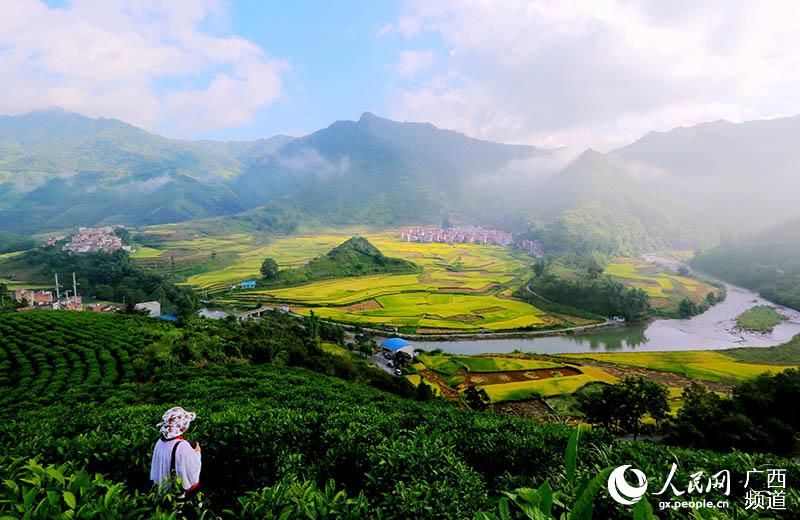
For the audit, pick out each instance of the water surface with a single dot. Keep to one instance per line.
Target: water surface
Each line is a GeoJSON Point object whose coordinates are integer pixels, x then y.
{"type": "Point", "coordinates": [713, 330]}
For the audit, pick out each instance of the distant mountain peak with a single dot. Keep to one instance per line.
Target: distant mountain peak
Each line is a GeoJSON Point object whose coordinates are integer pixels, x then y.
{"type": "Point", "coordinates": [369, 116]}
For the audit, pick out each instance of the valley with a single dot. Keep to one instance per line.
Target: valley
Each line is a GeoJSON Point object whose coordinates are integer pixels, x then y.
{"type": "Point", "coordinates": [461, 287]}
{"type": "Point", "coordinates": [401, 260]}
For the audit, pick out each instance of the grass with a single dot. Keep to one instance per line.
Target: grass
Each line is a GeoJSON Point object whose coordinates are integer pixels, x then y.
{"type": "Point", "coordinates": [785, 354]}
{"type": "Point", "coordinates": [146, 252]}
{"type": "Point", "coordinates": [665, 288]}
{"type": "Point", "coordinates": [449, 365]}
{"type": "Point", "coordinates": [696, 364]}
{"type": "Point", "coordinates": [501, 364]}
{"type": "Point", "coordinates": [442, 364]}
{"type": "Point", "coordinates": [537, 388]}
{"type": "Point", "coordinates": [761, 318]}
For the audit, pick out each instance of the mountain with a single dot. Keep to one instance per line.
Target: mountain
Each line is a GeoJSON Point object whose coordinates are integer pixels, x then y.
{"type": "Point", "coordinates": [59, 169]}
{"type": "Point", "coordinates": [594, 204]}
{"type": "Point", "coordinates": [767, 261]}
{"type": "Point", "coordinates": [354, 257]}
{"type": "Point", "coordinates": [376, 171]}
{"type": "Point", "coordinates": [733, 176]}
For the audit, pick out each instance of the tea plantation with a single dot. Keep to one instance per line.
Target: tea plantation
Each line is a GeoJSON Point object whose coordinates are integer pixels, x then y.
{"type": "Point", "coordinates": [287, 442]}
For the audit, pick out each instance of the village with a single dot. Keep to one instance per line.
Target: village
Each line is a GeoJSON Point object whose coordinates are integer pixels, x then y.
{"type": "Point", "coordinates": [470, 235]}
{"type": "Point", "coordinates": [92, 240]}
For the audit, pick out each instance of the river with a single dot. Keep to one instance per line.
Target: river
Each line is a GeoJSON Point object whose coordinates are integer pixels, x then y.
{"type": "Point", "coordinates": [712, 330]}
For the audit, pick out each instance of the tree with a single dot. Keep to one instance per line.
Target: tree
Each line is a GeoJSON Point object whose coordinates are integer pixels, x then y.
{"type": "Point", "coordinates": [636, 305]}
{"type": "Point", "coordinates": [683, 271]}
{"type": "Point", "coordinates": [269, 268]}
{"type": "Point", "coordinates": [687, 308]}
{"type": "Point", "coordinates": [186, 305]}
{"type": "Point", "coordinates": [539, 266]}
{"type": "Point", "coordinates": [124, 234]}
{"type": "Point", "coordinates": [476, 399]}
{"type": "Point", "coordinates": [311, 324]}
{"type": "Point", "coordinates": [621, 407]}
{"type": "Point", "coordinates": [424, 392]}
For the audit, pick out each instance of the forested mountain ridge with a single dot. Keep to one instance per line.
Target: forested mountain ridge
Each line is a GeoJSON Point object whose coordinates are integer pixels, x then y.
{"type": "Point", "coordinates": [767, 262]}
{"type": "Point", "coordinates": [593, 204]}
{"type": "Point", "coordinates": [667, 189]}
{"type": "Point", "coordinates": [734, 176]}
{"type": "Point", "coordinates": [376, 170]}
{"type": "Point", "coordinates": [61, 169]}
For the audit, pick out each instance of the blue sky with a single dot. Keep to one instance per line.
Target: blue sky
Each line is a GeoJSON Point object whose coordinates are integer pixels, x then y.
{"type": "Point", "coordinates": [340, 68]}
{"type": "Point", "coordinates": [543, 72]}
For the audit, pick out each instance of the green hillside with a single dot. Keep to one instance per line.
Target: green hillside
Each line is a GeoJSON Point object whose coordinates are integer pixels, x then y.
{"type": "Point", "coordinates": [593, 205]}
{"type": "Point", "coordinates": [767, 262]}
{"type": "Point", "coordinates": [733, 176]}
{"type": "Point", "coordinates": [354, 257]}
{"type": "Point", "coordinates": [59, 169]}
{"type": "Point", "coordinates": [375, 171]}
{"type": "Point", "coordinates": [276, 435]}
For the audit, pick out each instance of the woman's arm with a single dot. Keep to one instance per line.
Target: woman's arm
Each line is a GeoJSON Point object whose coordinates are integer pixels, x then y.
{"type": "Point", "coordinates": [188, 463]}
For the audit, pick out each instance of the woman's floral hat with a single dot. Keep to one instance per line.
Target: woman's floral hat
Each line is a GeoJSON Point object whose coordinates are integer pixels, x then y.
{"type": "Point", "coordinates": [175, 421]}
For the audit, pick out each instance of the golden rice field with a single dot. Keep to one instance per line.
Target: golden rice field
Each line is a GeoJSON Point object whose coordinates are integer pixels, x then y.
{"type": "Point", "coordinates": [460, 288]}
{"type": "Point", "coordinates": [665, 288]}
{"type": "Point", "coordinates": [697, 364]}
{"type": "Point", "coordinates": [502, 375]}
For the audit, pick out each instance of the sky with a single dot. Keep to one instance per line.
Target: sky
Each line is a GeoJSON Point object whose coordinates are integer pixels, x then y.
{"type": "Point", "coordinates": [595, 73]}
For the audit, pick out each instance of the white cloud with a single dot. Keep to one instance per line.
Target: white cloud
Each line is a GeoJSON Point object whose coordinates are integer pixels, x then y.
{"type": "Point", "coordinates": [599, 72]}
{"type": "Point", "coordinates": [412, 62]}
{"type": "Point", "coordinates": [154, 64]}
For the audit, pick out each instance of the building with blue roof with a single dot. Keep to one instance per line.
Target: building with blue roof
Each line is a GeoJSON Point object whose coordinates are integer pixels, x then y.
{"type": "Point", "coordinates": [396, 345]}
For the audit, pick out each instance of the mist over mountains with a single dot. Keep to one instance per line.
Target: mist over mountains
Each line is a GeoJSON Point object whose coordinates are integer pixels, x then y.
{"type": "Point", "coordinates": [59, 169]}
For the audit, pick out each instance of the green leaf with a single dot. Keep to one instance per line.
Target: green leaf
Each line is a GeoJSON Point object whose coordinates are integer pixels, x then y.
{"type": "Point", "coordinates": [582, 510]}
{"type": "Point", "coordinates": [505, 513]}
{"type": "Point", "coordinates": [546, 499]}
{"type": "Point", "coordinates": [571, 456]}
{"type": "Point", "coordinates": [643, 511]}
{"type": "Point", "coordinates": [69, 499]}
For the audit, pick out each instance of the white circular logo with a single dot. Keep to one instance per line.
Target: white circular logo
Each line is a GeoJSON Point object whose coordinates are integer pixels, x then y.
{"type": "Point", "coordinates": [621, 491]}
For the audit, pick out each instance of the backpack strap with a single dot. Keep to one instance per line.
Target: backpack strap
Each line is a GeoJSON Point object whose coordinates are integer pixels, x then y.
{"type": "Point", "coordinates": [172, 470]}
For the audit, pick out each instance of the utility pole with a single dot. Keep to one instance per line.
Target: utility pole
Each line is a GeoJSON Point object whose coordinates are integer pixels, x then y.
{"type": "Point", "coordinates": [58, 291]}
{"type": "Point", "coordinates": [74, 288]}
{"type": "Point", "coordinates": [172, 261]}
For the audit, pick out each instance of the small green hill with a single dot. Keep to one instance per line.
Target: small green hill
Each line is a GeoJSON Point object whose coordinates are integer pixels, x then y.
{"type": "Point", "coordinates": [354, 257]}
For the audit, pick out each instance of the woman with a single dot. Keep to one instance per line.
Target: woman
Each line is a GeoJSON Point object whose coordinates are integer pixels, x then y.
{"type": "Point", "coordinates": [173, 456]}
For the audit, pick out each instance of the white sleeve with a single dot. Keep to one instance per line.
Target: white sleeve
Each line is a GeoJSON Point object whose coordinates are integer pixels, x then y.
{"type": "Point", "coordinates": [187, 465]}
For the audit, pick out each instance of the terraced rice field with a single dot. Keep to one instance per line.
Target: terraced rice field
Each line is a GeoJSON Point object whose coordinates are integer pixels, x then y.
{"type": "Point", "coordinates": [665, 288]}
{"type": "Point", "coordinates": [512, 378]}
{"type": "Point", "coordinates": [697, 364]}
{"type": "Point", "coordinates": [461, 287]}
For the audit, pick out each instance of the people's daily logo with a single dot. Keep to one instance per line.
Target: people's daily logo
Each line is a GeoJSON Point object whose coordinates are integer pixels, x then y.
{"type": "Point", "coordinates": [621, 491]}
{"type": "Point", "coordinates": [764, 489]}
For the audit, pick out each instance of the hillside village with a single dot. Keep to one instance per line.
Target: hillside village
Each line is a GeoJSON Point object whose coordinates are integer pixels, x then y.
{"type": "Point", "coordinates": [470, 235]}
{"type": "Point", "coordinates": [86, 240]}
{"type": "Point", "coordinates": [91, 240]}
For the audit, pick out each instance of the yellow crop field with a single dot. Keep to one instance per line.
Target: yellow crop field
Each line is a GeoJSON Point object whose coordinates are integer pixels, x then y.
{"type": "Point", "coordinates": [698, 364]}
{"type": "Point", "coordinates": [461, 287]}
{"type": "Point", "coordinates": [662, 285]}
{"type": "Point", "coordinates": [438, 311]}
{"type": "Point", "coordinates": [543, 387]}
{"type": "Point", "coordinates": [146, 252]}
